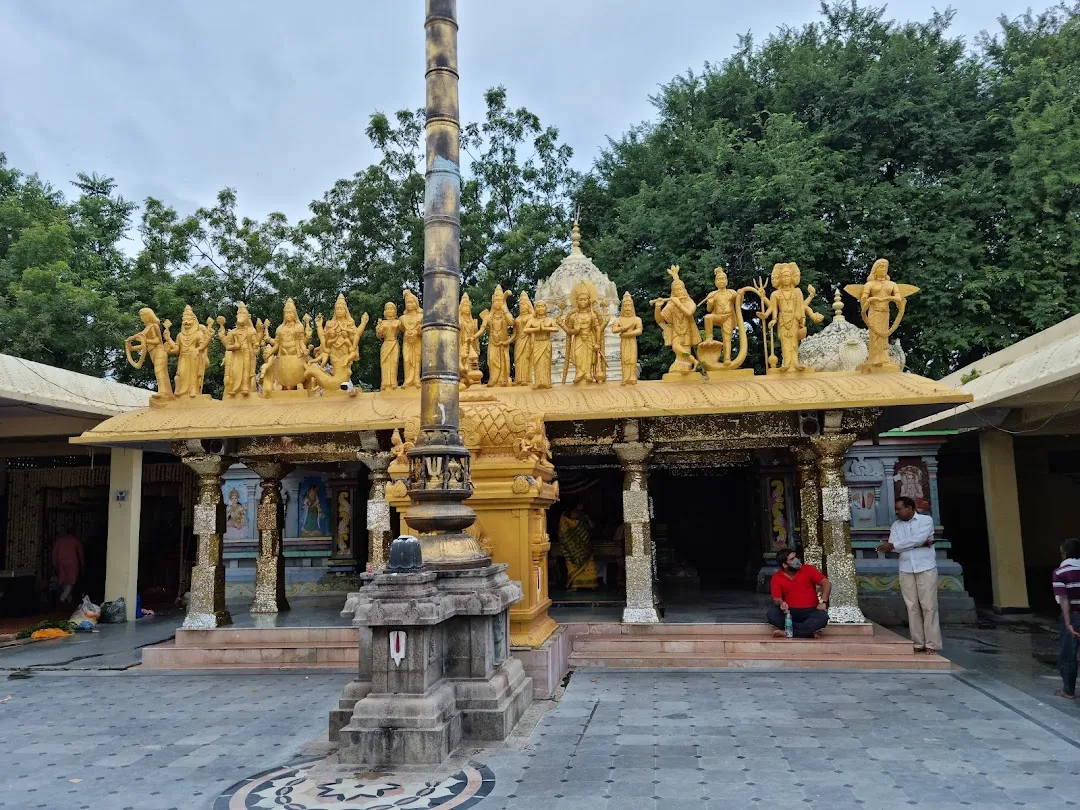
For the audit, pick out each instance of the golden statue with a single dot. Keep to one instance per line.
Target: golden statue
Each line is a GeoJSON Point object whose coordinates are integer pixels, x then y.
{"type": "Point", "coordinates": [535, 446]}
{"type": "Point", "coordinates": [339, 347]}
{"type": "Point", "coordinates": [241, 352]}
{"type": "Point", "coordinates": [524, 342]}
{"type": "Point", "coordinates": [412, 323]}
{"type": "Point", "coordinates": [387, 330]}
{"type": "Point", "coordinates": [498, 324]}
{"type": "Point", "coordinates": [675, 315]}
{"type": "Point", "coordinates": [149, 341]}
{"type": "Point", "coordinates": [287, 353]}
{"type": "Point", "coordinates": [539, 329]}
{"type": "Point", "coordinates": [628, 327]}
{"type": "Point", "coordinates": [786, 311]}
{"type": "Point", "coordinates": [874, 298]}
{"type": "Point", "coordinates": [724, 310]}
{"type": "Point", "coordinates": [468, 344]}
{"type": "Point", "coordinates": [603, 318]}
{"type": "Point", "coordinates": [191, 346]}
{"type": "Point", "coordinates": [583, 338]}
{"type": "Point", "coordinates": [399, 449]}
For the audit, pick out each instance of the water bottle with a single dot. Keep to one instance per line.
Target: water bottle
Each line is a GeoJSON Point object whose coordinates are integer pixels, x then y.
{"type": "Point", "coordinates": [788, 630]}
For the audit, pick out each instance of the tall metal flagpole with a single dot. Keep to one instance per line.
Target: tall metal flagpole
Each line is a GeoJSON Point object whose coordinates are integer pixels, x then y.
{"type": "Point", "coordinates": [439, 479]}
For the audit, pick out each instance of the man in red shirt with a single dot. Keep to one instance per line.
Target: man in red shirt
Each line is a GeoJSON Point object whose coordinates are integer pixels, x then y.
{"type": "Point", "coordinates": [794, 588]}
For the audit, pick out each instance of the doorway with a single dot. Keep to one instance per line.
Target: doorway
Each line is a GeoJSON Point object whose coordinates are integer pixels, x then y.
{"type": "Point", "coordinates": [706, 534]}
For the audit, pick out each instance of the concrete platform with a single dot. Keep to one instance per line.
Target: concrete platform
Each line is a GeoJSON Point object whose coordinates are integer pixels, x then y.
{"type": "Point", "coordinates": [748, 645]}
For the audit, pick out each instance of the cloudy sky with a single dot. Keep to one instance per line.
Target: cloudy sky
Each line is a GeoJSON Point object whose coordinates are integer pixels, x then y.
{"type": "Point", "coordinates": [178, 99]}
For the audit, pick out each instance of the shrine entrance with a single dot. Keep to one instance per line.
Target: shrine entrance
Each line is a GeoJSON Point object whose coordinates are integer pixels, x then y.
{"type": "Point", "coordinates": [706, 530]}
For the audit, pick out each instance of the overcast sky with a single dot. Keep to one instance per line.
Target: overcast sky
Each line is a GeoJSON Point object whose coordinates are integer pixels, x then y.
{"type": "Point", "coordinates": [178, 99]}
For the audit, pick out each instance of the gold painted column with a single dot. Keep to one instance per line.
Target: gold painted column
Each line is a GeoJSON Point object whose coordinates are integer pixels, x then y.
{"type": "Point", "coordinates": [378, 509]}
{"type": "Point", "coordinates": [809, 505]}
{"type": "Point", "coordinates": [640, 602]}
{"type": "Point", "coordinates": [206, 608]}
{"type": "Point", "coordinates": [270, 518]}
{"type": "Point", "coordinates": [439, 463]}
{"type": "Point", "coordinates": [836, 528]}
{"type": "Point", "coordinates": [1006, 542]}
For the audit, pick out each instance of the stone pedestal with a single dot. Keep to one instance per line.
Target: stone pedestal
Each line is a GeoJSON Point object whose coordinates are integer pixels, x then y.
{"type": "Point", "coordinates": [510, 497]}
{"type": "Point", "coordinates": [440, 666]}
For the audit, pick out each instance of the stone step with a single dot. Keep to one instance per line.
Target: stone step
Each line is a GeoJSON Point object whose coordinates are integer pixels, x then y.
{"type": "Point", "coordinates": [713, 630]}
{"type": "Point", "coordinates": [280, 636]}
{"type": "Point", "coordinates": [759, 661]}
{"type": "Point", "coordinates": [689, 645]}
{"type": "Point", "coordinates": [300, 655]}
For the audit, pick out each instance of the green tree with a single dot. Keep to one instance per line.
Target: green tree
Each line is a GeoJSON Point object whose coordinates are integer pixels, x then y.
{"type": "Point", "coordinates": [829, 145]}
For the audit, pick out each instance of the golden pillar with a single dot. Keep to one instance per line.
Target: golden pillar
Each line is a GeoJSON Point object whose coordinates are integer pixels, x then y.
{"type": "Point", "coordinates": [836, 526]}
{"type": "Point", "coordinates": [640, 599]}
{"type": "Point", "coordinates": [270, 519]}
{"type": "Point", "coordinates": [439, 480]}
{"type": "Point", "coordinates": [378, 509]}
{"type": "Point", "coordinates": [513, 484]}
{"type": "Point", "coordinates": [206, 608]}
{"type": "Point", "coordinates": [809, 505]}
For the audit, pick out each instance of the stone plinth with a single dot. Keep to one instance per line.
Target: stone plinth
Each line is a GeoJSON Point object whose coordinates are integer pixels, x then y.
{"type": "Point", "coordinates": [450, 677]}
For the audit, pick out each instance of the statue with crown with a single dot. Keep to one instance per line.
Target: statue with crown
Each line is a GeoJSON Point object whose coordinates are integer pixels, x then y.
{"type": "Point", "coordinates": [562, 292]}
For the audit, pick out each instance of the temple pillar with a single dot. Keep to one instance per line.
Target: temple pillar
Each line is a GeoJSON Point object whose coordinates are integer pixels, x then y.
{"type": "Point", "coordinates": [836, 527]}
{"type": "Point", "coordinates": [270, 519]}
{"type": "Point", "coordinates": [640, 601]}
{"type": "Point", "coordinates": [809, 505]}
{"type": "Point", "coordinates": [206, 608]}
{"type": "Point", "coordinates": [1007, 572]}
{"type": "Point", "coordinates": [378, 509]}
{"type": "Point", "coordinates": [122, 546]}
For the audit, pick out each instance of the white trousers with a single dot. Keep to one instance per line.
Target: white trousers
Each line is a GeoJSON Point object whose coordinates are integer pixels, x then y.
{"type": "Point", "coordinates": [921, 597]}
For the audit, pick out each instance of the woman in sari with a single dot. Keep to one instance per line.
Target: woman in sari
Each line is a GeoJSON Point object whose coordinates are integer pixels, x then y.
{"type": "Point", "coordinates": [575, 529]}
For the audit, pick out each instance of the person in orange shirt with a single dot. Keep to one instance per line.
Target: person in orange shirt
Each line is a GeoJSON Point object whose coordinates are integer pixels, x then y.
{"type": "Point", "coordinates": [794, 588]}
{"type": "Point", "coordinates": [67, 559]}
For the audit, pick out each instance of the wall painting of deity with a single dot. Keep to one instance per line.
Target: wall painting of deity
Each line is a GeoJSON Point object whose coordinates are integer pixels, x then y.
{"type": "Point", "coordinates": [314, 508]}
{"type": "Point", "coordinates": [239, 522]}
{"type": "Point", "coordinates": [911, 478]}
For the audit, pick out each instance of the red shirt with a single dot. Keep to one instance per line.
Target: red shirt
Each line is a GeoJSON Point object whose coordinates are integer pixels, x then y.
{"type": "Point", "coordinates": [800, 591]}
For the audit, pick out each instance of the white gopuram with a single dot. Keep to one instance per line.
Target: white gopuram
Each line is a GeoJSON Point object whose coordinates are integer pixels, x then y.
{"type": "Point", "coordinates": [555, 292]}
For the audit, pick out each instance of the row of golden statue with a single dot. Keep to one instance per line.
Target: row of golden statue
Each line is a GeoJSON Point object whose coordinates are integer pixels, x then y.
{"type": "Point", "coordinates": [290, 362]}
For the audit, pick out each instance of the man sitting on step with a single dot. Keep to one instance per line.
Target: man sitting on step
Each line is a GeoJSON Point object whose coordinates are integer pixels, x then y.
{"type": "Point", "coordinates": [794, 589]}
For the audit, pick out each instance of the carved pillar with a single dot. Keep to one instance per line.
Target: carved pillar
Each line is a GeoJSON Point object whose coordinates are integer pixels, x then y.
{"type": "Point", "coordinates": [378, 510]}
{"type": "Point", "coordinates": [270, 518]}
{"type": "Point", "coordinates": [809, 505]}
{"type": "Point", "coordinates": [206, 608]}
{"type": "Point", "coordinates": [931, 471]}
{"type": "Point", "coordinates": [640, 604]}
{"type": "Point", "coordinates": [836, 526]}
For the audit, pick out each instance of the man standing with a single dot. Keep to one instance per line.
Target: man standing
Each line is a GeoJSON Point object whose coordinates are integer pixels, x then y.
{"type": "Point", "coordinates": [67, 559]}
{"type": "Point", "coordinates": [1067, 594]}
{"type": "Point", "coordinates": [794, 588]}
{"type": "Point", "coordinates": [912, 535]}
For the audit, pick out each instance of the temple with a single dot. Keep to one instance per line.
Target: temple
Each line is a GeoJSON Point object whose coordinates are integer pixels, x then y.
{"type": "Point", "coordinates": [600, 491]}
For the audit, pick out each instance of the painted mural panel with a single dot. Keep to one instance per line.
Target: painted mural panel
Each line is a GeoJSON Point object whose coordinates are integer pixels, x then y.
{"type": "Point", "coordinates": [239, 522]}
{"type": "Point", "coordinates": [314, 511]}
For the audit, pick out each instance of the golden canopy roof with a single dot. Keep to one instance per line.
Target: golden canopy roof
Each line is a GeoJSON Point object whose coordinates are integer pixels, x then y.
{"type": "Point", "coordinates": [908, 395]}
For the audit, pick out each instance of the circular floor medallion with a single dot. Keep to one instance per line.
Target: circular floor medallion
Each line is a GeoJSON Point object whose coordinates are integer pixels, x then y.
{"type": "Point", "coordinates": [291, 788]}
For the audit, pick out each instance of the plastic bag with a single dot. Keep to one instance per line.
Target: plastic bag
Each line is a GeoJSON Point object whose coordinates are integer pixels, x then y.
{"type": "Point", "coordinates": [86, 616]}
{"type": "Point", "coordinates": [114, 612]}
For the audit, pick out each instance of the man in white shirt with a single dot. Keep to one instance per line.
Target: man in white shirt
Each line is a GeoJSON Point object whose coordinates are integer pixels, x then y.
{"type": "Point", "coordinates": [912, 535]}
